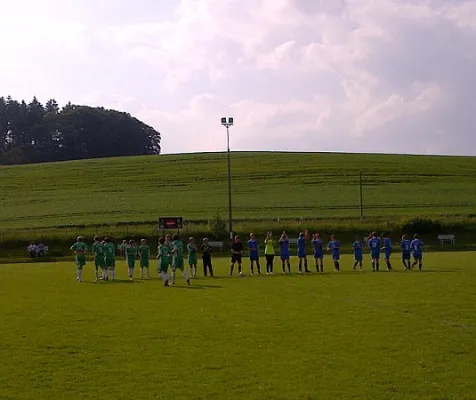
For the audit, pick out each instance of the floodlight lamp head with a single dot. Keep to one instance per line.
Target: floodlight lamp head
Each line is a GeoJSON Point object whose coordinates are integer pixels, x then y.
{"type": "Point", "coordinates": [223, 121]}
{"type": "Point", "coordinates": [230, 120]}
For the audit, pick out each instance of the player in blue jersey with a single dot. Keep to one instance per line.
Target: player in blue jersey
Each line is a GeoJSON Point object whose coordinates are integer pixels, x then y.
{"type": "Point", "coordinates": [417, 248]}
{"type": "Point", "coordinates": [254, 254]}
{"type": "Point", "coordinates": [301, 251]}
{"type": "Point", "coordinates": [387, 248]}
{"type": "Point", "coordinates": [284, 252]}
{"type": "Point", "coordinates": [405, 244]}
{"type": "Point", "coordinates": [318, 252]}
{"type": "Point", "coordinates": [374, 245]}
{"type": "Point", "coordinates": [358, 250]}
{"type": "Point", "coordinates": [334, 248]}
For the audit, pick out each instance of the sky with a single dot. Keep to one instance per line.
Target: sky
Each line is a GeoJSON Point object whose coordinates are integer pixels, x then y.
{"type": "Point", "coordinates": [386, 76]}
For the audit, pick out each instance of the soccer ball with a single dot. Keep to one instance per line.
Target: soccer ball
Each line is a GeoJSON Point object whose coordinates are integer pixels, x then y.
{"type": "Point", "coordinates": [242, 274]}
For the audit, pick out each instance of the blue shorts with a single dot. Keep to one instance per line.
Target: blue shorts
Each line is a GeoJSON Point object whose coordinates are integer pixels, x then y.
{"type": "Point", "coordinates": [284, 256]}
{"type": "Point", "coordinates": [336, 257]}
{"type": "Point", "coordinates": [405, 256]}
{"type": "Point", "coordinates": [319, 255]}
{"type": "Point", "coordinates": [388, 253]}
{"type": "Point", "coordinates": [301, 254]}
{"type": "Point", "coordinates": [417, 256]}
{"type": "Point", "coordinates": [254, 256]}
{"type": "Point", "coordinates": [358, 257]}
{"type": "Point", "coordinates": [375, 256]}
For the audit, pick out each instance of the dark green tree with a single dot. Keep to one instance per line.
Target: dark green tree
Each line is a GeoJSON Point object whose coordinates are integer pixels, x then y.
{"type": "Point", "coordinates": [36, 133]}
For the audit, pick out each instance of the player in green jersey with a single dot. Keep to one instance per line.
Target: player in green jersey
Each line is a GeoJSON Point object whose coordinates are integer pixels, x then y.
{"type": "Point", "coordinates": [131, 252]}
{"type": "Point", "coordinates": [163, 254]}
{"type": "Point", "coordinates": [177, 263]}
{"type": "Point", "coordinates": [144, 253]}
{"type": "Point", "coordinates": [99, 261]}
{"type": "Point", "coordinates": [170, 245]}
{"type": "Point", "coordinates": [110, 257]}
{"type": "Point", "coordinates": [80, 249]}
{"type": "Point", "coordinates": [192, 256]}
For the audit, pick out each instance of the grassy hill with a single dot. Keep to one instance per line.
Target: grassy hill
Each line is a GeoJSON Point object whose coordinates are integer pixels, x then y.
{"type": "Point", "coordinates": [265, 186]}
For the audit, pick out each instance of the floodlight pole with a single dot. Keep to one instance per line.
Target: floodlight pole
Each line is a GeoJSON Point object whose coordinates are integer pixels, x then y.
{"type": "Point", "coordinates": [227, 123]}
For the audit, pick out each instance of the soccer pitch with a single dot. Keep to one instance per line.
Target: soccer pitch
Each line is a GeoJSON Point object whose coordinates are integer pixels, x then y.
{"type": "Point", "coordinates": [348, 335]}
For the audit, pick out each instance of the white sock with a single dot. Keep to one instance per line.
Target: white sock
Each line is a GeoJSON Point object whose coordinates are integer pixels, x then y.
{"type": "Point", "coordinates": [185, 274]}
{"type": "Point", "coordinates": [80, 274]}
{"type": "Point", "coordinates": [130, 271]}
{"type": "Point", "coordinates": [173, 276]}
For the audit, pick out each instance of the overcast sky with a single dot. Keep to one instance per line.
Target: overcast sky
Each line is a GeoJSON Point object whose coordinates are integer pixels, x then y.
{"type": "Point", "coordinates": [312, 75]}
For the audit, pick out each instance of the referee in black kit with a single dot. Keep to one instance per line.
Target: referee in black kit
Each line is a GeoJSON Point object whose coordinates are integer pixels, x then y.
{"type": "Point", "coordinates": [206, 257]}
{"type": "Point", "coordinates": [236, 253]}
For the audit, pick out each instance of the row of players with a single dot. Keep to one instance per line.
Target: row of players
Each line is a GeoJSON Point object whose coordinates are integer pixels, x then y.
{"type": "Point", "coordinates": [170, 255]}
{"type": "Point", "coordinates": [376, 245]}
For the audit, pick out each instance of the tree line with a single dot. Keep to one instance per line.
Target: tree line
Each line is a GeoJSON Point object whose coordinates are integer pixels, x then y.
{"type": "Point", "coordinates": [35, 133]}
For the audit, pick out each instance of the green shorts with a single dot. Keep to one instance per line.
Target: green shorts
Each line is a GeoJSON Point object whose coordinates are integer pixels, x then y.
{"type": "Point", "coordinates": [164, 267]}
{"type": "Point", "coordinates": [131, 262]}
{"type": "Point", "coordinates": [100, 262]}
{"type": "Point", "coordinates": [177, 263]}
{"type": "Point", "coordinates": [171, 260]}
{"type": "Point", "coordinates": [81, 260]}
{"type": "Point", "coordinates": [144, 263]}
{"type": "Point", "coordinates": [192, 260]}
{"type": "Point", "coordinates": [110, 262]}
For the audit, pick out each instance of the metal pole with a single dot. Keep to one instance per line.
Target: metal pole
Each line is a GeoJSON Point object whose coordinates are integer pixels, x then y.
{"type": "Point", "coordinates": [361, 198]}
{"type": "Point", "coordinates": [230, 222]}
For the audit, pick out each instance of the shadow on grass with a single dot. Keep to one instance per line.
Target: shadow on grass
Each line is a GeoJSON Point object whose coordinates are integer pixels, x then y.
{"type": "Point", "coordinates": [210, 286]}
{"type": "Point", "coordinates": [416, 271]}
{"type": "Point", "coordinates": [191, 287]}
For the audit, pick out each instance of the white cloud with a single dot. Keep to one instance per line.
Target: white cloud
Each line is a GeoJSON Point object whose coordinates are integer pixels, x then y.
{"type": "Point", "coordinates": [295, 74]}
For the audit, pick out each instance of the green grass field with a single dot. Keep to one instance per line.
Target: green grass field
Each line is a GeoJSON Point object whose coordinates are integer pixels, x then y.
{"type": "Point", "coordinates": [265, 186]}
{"type": "Point", "coordinates": [333, 336]}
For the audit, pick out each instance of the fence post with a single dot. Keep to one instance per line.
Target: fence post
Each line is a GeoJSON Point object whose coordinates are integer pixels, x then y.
{"type": "Point", "coordinates": [361, 198]}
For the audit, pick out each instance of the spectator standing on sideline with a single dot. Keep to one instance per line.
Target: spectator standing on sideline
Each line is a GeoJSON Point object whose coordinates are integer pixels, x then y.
{"type": "Point", "coordinates": [41, 249]}
{"type": "Point", "coordinates": [32, 250]}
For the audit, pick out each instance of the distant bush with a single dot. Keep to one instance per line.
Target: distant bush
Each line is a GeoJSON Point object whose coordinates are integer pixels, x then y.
{"type": "Point", "coordinates": [422, 225]}
{"type": "Point", "coordinates": [217, 226]}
